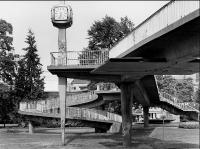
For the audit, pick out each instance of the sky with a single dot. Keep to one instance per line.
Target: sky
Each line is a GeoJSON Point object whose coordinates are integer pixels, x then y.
{"type": "Point", "coordinates": [35, 15]}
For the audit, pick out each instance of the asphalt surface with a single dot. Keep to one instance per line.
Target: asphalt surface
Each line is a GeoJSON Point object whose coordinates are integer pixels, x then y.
{"type": "Point", "coordinates": [85, 138]}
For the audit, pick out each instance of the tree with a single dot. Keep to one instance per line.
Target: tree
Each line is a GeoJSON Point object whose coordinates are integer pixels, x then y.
{"type": "Point", "coordinates": [185, 90]}
{"type": "Point", "coordinates": [166, 83]}
{"type": "Point", "coordinates": [7, 63]}
{"type": "Point", "coordinates": [21, 80]}
{"type": "Point", "coordinates": [7, 72]}
{"type": "Point", "coordinates": [197, 96]}
{"type": "Point", "coordinates": [182, 89]}
{"type": "Point", "coordinates": [106, 33]}
{"type": "Point", "coordinates": [29, 83]}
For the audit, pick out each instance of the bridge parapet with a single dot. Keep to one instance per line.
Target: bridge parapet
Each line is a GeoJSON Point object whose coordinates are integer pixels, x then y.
{"type": "Point", "coordinates": [165, 16]}
{"type": "Point", "coordinates": [54, 102]}
{"type": "Point", "coordinates": [80, 58]}
{"type": "Point", "coordinates": [75, 113]}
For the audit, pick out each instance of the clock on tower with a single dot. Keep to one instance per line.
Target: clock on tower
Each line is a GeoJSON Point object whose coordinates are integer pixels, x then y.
{"type": "Point", "coordinates": [61, 16]}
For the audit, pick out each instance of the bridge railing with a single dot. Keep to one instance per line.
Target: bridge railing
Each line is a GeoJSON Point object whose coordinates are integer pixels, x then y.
{"type": "Point", "coordinates": [92, 114]}
{"type": "Point", "coordinates": [88, 57]}
{"type": "Point", "coordinates": [193, 105]}
{"type": "Point", "coordinates": [80, 98]}
{"type": "Point", "coordinates": [53, 103]}
{"type": "Point", "coordinates": [74, 112]}
{"type": "Point", "coordinates": [174, 101]}
{"type": "Point", "coordinates": [165, 16]}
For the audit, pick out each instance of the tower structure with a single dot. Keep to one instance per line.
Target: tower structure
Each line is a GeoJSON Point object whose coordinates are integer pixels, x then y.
{"type": "Point", "coordinates": [61, 17]}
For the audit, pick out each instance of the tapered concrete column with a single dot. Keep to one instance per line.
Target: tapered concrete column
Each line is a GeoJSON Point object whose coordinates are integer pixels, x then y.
{"type": "Point", "coordinates": [62, 93]}
{"type": "Point", "coordinates": [30, 127]}
{"type": "Point", "coordinates": [146, 116]}
{"type": "Point", "coordinates": [126, 109]}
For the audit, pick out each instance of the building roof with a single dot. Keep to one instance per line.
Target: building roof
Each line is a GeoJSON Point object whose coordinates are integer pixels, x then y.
{"type": "Point", "coordinates": [78, 81]}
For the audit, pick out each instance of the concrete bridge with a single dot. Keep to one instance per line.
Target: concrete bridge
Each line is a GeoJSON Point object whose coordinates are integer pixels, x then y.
{"type": "Point", "coordinates": [102, 121]}
{"type": "Point", "coordinates": [165, 43]}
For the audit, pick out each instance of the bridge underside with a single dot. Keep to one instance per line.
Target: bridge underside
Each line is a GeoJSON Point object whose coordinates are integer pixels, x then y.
{"type": "Point", "coordinates": [83, 72]}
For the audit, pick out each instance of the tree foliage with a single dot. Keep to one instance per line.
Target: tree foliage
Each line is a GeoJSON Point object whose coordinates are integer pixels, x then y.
{"type": "Point", "coordinates": [183, 89]}
{"type": "Point", "coordinates": [29, 83]}
{"type": "Point", "coordinates": [7, 63]}
{"type": "Point", "coordinates": [105, 33]}
{"type": "Point", "coordinates": [197, 96]}
{"type": "Point", "coordinates": [7, 73]}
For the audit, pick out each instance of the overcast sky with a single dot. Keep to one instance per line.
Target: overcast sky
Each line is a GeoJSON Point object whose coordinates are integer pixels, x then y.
{"type": "Point", "coordinates": [36, 16]}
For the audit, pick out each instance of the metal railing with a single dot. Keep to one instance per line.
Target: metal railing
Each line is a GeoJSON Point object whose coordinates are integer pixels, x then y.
{"type": "Point", "coordinates": [89, 57]}
{"type": "Point", "coordinates": [167, 15]}
{"type": "Point", "coordinates": [76, 113]}
{"type": "Point", "coordinates": [193, 105]}
{"type": "Point", "coordinates": [173, 101]}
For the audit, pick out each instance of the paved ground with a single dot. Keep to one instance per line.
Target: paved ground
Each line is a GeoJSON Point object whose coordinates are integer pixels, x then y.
{"type": "Point", "coordinates": [85, 138]}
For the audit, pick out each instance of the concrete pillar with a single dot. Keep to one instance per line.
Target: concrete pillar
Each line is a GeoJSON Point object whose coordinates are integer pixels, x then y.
{"type": "Point", "coordinates": [126, 109]}
{"type": "Point", "coordinates": [30, 127]}
{"type": "Point", "coordinates": [62, 83]}
{"type": "Point", "coordinates": [146, 116]}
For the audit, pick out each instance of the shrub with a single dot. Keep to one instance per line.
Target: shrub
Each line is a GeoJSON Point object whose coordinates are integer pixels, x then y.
{"type": "Point", "coordinates": [189, 125]}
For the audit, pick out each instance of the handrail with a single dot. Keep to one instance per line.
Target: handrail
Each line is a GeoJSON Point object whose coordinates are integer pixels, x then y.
{"type": "Point", "coordinates": [52, 107]}
{"type": "Point", "coordinates": [88, 57]}
{"type": "Point", "coordinates": [78, 113]}
{"type": "Point", "coordinates": [173, 101]}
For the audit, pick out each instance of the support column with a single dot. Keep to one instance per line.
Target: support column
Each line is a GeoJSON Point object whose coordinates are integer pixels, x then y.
{"type": "Point", "coordinates": [62, 82]}
{"type": "Point", "coordinates": [126, 109]}
{"type": "Point", "coordinates": [146, 116]}
{"type": "Point", "coordinates": [30, 127]}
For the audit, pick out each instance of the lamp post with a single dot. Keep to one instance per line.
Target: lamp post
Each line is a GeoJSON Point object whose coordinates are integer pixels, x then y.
{"type": "Point", "coordinates": [61, 17]}
{"type": "Point", "coordinates": [163, 118]}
